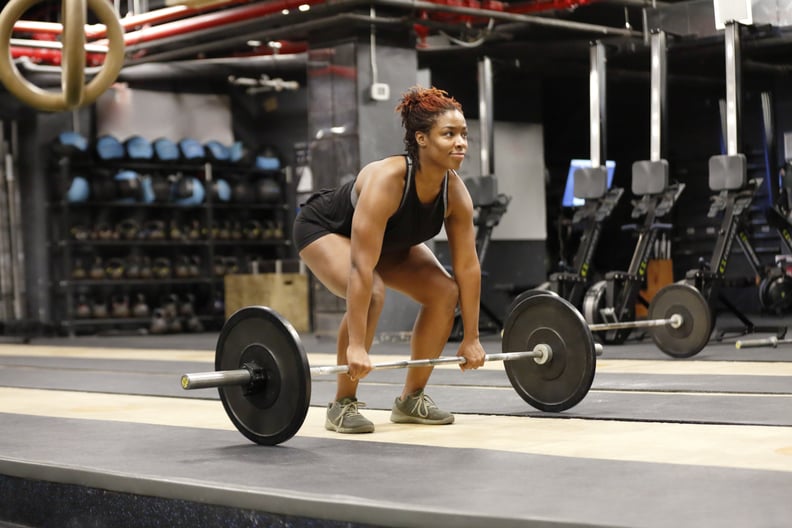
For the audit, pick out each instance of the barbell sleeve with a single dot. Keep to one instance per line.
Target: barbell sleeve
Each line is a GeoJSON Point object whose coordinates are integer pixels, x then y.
{"type": "Point", "coordinates": [205, 380]}
{"type": "Point", "coordinates": [219, 378]}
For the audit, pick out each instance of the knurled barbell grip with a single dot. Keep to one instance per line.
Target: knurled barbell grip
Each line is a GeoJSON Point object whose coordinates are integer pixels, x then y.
{"type": "Point", "coordinates": [222, 378]}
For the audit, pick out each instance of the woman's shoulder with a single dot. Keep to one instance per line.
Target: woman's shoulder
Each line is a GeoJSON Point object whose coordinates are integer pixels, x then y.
{"type": "Point", "coordinates": [393, 164]}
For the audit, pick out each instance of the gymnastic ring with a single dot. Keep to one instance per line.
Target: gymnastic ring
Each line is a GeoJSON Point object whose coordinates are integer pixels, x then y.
{"type": "Point", "coordinates": [73, 57]}
{"type": "Point", "coordinates": [73, 15]}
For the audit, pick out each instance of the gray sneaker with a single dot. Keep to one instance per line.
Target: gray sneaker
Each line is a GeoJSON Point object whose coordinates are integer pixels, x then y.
{"type": "Point", "coordinates": [343, 417]}
{"type": "Point", "coordinates": [421, 409]}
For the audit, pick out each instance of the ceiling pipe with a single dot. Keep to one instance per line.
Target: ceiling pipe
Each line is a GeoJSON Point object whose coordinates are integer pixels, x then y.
{"type": "Point", "coordinates": [94, 31]}
{"type": "Point", "coordinates": [224, 22]}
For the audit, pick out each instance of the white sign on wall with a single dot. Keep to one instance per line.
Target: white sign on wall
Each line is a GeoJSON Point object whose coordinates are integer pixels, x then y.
{"type": "Point", "coordinates": [732, 11]}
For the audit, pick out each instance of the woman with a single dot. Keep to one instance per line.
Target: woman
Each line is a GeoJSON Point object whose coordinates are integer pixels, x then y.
{"type": "Point", "coordinates": [369, 234]}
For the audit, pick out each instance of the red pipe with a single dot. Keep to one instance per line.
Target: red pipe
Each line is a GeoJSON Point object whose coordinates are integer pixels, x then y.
{"type": "Point", "coordinates": [97, 31]}
{"type": "Point", "coordinates": [211, 20]}
{"type": "Point", "coordinates": [545, 5]}
{"type": "Point", "coordinates": [52, 56]}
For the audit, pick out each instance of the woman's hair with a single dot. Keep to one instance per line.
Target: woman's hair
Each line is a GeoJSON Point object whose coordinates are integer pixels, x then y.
{"type": "Point", "coordinates": [419, 108]}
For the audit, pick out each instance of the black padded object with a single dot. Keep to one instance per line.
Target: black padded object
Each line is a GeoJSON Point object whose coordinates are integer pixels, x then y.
{"type": "Point", "coordinates": [727, 173]}
{"type": "Point", "coordinates": [591, 182]}
{"type": "Point", "coordinates": [649, 177]}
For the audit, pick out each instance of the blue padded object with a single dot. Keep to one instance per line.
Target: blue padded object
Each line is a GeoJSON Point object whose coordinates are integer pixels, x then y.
{"type": "Point", "coordinates": [73, 139]}
{"type": "Point", "coordinates": [191, 149]}
{"type": "Point", "coordinates": [138, 147]}
{"type": "Point", "coordinates": [79, 190]}
{"type": "Point", "coordinates": [166, 149]}
{"type": "Point", "coordinates": [197, 196]}
{"type": "Point", "coordinates": [222, 190]}
{"type": "Point", "coordinates": [217, 150]}
{"type": "Point", "coordinates": [131, 180]}
{"type": "Point", "coordinates": [236, 152]}
{"type": "Point", "coordinates": [109, 148]}
{"type": "Point", "coordinates": [148, 195]}
{"type": "Point", "coordinates": [267, 163]}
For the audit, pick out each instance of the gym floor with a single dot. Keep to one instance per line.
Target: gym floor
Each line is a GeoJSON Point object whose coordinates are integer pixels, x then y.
{"type": "Point", "coordinates": [97, 432]}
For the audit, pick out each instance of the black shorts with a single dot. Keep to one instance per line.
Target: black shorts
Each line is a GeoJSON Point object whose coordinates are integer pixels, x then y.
{"type": "Point", "coordinates": [324, 212]}
{"type": "Point", "coordinates": [305, 231]}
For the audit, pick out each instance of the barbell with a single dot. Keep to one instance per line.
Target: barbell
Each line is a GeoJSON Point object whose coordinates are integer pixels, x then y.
{"type": "Point", "coordinates": [772, 341]}
{"type": "Point", "coordinates": [74, 94]}
{"type": "Point", "coordinates": [679, 319]}
{"type": "Point", "coordinates": [264, 379]}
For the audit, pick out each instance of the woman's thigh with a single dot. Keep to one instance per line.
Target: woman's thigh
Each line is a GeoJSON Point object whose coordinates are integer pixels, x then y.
{"type": "Point", "coordinates": [415, 272]}
{"type": "Point", "coordinates": [328, 258]}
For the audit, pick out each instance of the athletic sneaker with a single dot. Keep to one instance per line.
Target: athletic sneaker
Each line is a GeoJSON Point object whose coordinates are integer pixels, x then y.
{"type": "Point", "coordinates": [421, 409]}
{"type": "Point", "coordinates": [343, 417]}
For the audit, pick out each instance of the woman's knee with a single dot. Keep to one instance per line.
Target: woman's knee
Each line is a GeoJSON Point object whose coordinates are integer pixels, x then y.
{"type": "Point", "coordinates": [446, 295]}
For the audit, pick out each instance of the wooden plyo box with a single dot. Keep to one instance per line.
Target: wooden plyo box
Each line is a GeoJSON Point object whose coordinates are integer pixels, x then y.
{"type": "Point", "coordinates": [286, 293]}
{"type": "Point", "coordinates": [659, 273]}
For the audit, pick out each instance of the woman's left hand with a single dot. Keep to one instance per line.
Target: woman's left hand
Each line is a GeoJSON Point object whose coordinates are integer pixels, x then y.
{"type": "Point", "coordinates": [473, 353]}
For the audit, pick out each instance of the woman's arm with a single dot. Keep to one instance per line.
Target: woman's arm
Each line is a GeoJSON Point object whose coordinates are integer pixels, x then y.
{"type": "Point", "coordinates": [464, 259]}
{"type": "Point", "coordinates": [381, 187]}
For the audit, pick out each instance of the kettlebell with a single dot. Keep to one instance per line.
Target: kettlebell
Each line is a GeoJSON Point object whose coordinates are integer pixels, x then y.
{"type": "Point", "coordinates": [99, 309]}
{"type": "Point", "coordinates": [268, 191]}
{"type": "Point", "coordinates": [159, 323]}
{"type": "Point", "coordinates": [97, 270]}
{"type": "Point", "coordinates": [161, 268]}
{"type": "Point", "coordinates": [181, 268]}
{"type": "Point", "coordinates": [78, 271]}
{"type": "Point", "coordinates": [120, 306]}
{"type": "Point", "coordinates": [83, 310]}
{"type": "Point", "coordinates": [114, 269]}
{"type": "Point", "coordinates": [128, 229]}
{"type": "Point", "coordinates": [187, 305]}
{"type": "Point", "coordinates": [132, 268]}
{"type": "Point", "coordinates": [140, 308]}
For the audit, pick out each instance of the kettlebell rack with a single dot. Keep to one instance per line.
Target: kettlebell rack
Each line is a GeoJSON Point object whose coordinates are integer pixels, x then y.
{"type": "Point", "coordinates": [119, 261]}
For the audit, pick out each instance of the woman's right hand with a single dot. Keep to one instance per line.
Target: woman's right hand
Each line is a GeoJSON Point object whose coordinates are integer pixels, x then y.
{"type": "Point", "coordinates": [358, 362]}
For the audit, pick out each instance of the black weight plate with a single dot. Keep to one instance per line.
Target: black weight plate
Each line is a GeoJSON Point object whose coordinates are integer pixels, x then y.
{"type": "Point", "coordinates": [594, 302]}
{"type": "Point", "coordinates": [527, 294]}
{"type": "Point", "coordinates": [274, 411]}
{"type": "Point", "coordinates": [564, 381]}
{"type": "Point", "coordinates": [694, 334]}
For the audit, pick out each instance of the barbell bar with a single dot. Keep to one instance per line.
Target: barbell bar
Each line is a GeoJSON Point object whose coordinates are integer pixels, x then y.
{"type": "Point", "coordinates": [675, 321]}
{"type": "Point", "coordinates": [264, 380]}
{"type": "Point", "coordinates": [207, 380]}
{"type": "Point", "coordinates": [772, 341]}
{"type": "Point", "coordinates": [679, 317]}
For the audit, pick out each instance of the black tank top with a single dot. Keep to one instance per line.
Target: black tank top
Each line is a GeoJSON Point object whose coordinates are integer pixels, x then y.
{"type": "Point", "coordinates": [411, 224]}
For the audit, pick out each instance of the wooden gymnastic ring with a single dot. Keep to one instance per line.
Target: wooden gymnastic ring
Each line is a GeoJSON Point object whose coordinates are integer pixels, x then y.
{"type": "Point", "coordinates": [74, 94]}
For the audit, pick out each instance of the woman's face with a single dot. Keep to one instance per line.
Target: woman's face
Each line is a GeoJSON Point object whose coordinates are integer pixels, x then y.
{"type": "Point", "coordinates": [446, 143]}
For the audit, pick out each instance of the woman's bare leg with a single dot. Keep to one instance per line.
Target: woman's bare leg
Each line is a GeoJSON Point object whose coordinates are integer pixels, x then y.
{"type": "Point", "coordinates": [328, 258]}
{"type": "Point", "coordinates": [418, 274]}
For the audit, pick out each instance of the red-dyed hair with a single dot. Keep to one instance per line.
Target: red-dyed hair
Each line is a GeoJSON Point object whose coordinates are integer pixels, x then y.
{"type": "Point", "coordinates": [419, 109]}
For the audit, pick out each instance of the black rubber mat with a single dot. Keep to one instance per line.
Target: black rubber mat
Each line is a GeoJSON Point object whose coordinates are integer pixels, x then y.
{"type": "Point", "coordinates": [400, 485]}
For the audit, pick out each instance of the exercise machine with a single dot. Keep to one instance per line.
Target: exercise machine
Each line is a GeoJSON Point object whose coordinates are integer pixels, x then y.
{"type": "Point", "coordinates": [613, 299]}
